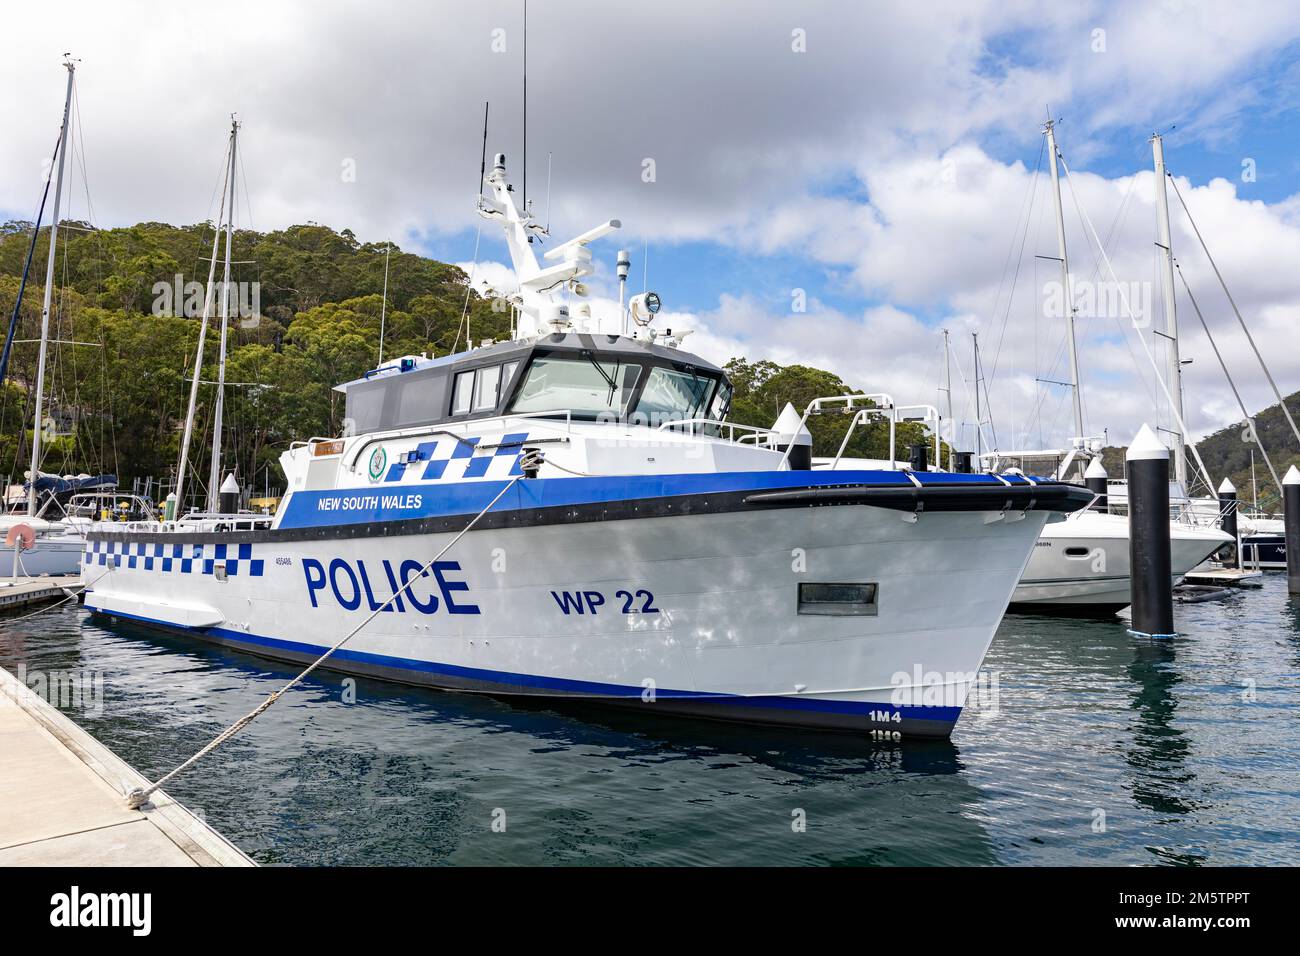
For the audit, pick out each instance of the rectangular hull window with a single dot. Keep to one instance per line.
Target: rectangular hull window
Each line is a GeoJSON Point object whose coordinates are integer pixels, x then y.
{"type": "Point", "coordinates": [838, 599]}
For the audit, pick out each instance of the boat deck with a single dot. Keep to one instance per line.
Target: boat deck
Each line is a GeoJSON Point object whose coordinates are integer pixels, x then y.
{"type": "Point", "coordinates": [61, 793]}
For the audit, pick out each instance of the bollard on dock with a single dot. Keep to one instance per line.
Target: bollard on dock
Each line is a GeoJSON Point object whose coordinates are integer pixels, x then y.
{"type": "Point", "coordinates": [1291, 522]}
{"type": "Point", "coordinates": [1150, 566]}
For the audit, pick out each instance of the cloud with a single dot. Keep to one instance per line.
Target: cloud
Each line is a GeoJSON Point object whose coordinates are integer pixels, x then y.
{"type": "Point", "coordinates": [881, 156]}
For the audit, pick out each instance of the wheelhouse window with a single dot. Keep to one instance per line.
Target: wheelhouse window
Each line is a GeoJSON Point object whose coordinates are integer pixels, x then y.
{"type": "Point", "coordinates": [584, 386]}
{"type": "Point", "coordinates": [463, 395]}
{"type": "Point", "coordinates": [479, 390]}
{"type": "Point", "coordinates": [670, 395]}
{"type": "Point", "coordinates": [486, 382]}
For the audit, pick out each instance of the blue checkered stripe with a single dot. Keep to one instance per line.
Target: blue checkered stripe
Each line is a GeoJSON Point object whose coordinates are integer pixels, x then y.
{"type": "Point", "coordinates": [176, 558]}
{"type": "Point", "coordinates": [447, 458]}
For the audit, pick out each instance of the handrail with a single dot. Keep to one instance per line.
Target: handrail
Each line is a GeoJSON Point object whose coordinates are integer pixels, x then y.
{"type": "Point", "coordinates": [755, 432]}
{"type": "Point", "coordinates": [815, 407]}
{"type": "Point", "coordinates": [931, 413]}
{"type": "Point", "coordinates": [860, 418]}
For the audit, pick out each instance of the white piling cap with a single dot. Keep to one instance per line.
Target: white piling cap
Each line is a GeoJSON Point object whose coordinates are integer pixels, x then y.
{"type": "Point", "coordinates": [790, 429]}
{"type": "Point", "coordinates": [230, 486]}
{"type": "Point", "coordinates": [1096, 469]}
{"type": "Point", "coordinates": [1227, 487]}
{"type": "Point", "coordinates": [1146, 446]}
{"type": "Point", "coordinates": [1292, 476]}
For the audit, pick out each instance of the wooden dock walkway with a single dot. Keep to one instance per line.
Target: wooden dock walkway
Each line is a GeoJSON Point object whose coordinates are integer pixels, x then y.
{"type": "Point", "coordinates": [62, 803]}
{"type": "Point", "coordinates": [35, 590]}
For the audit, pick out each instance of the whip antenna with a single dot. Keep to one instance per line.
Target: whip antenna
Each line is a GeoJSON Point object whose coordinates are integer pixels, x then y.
{"type": "Point", "coordinates": [482, 162]}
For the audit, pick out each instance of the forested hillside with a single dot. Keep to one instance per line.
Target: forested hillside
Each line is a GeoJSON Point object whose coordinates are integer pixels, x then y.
{"type": "Point", "coordinates": [1227, 454]}
{"type": "Point", "coordinates": [118, 383]}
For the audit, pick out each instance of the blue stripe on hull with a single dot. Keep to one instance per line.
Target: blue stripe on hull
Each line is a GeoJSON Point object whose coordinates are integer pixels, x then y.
{"type": "Point", "coordinates": [388, 503]}
{"type": "Point", "coordinates": [939, 719]}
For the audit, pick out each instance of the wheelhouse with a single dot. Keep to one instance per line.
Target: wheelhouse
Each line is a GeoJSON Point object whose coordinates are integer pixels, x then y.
{"type": "Point", "coordinates": [585, 377]}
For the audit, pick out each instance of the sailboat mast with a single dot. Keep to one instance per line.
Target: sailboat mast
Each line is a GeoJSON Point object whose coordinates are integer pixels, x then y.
{"type": "Point", "coordinates": [947, 390]}
{"type": "Point", "coordinates": [49, 292]}
{"type": "Point", "coordinates": [1066, 290]}
{"type": "Point", "coordinates": [214, 473]}
{"type": "Point", "coordinates": [1174, 367]}
{"type": "Point", "coordinates": [979, 425]}
{"type": "Point", "coordinates": [203, 334]}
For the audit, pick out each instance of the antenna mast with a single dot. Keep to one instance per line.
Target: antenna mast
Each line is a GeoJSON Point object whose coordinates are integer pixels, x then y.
{"type": "Point", "coordinates": [482, 163]}
{"type": "Point", "coordinates": [49, 290]}
{"type": "Point", "coordinates": [525, 113]}
{"type": "Point", "coordinates": [383, 306]}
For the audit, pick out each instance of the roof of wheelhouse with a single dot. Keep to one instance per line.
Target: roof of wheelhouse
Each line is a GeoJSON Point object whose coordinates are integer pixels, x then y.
{"type": "Point", "coordinates": [597, 343]}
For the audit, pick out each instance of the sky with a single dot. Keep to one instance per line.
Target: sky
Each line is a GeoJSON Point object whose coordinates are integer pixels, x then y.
{"type": "Point", "coordinates": [834, 183]}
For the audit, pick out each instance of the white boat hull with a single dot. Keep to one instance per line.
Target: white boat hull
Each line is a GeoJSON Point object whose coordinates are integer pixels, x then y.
{"type": "Point", "coordinates": [50, 555]}
{"type": "Point", "coordinates": [690, 612]}
{"type": "Point", "coordinates": [1081, 564]}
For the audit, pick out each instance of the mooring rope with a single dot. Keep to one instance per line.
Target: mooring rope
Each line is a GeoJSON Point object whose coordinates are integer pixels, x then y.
{"type": "Point", "coordinates": [138, 797]}
{"type": "Point", "coordinates": [72, 595]}
{"type": "Point", "coordinates": [48, 607]}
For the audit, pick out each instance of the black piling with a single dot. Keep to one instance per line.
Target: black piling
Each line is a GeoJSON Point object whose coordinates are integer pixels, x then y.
{"type": "Point", "coordinates": [1150, 567]}
{"type": "Point", "coordinates": [228, 496]}
{"type": "Point", "coordinates": [1228, 522]}
{"type": "Point", "coordinates": [1095, 479]}
{"type": "Point", "coordinates": [1291, 521]}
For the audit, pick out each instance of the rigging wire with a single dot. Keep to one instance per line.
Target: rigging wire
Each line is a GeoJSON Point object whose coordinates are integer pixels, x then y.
{"type": "Point", "coordinates": [1250, 421]}
{"type": "Point", "coordinates": [469, 287]}
{"type": "Point", "coordinates": [1237, 312]}
{"type": "Point", "coordinates": [1150, 358]}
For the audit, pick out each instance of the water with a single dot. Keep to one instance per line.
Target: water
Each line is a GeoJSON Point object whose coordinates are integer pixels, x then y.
{"type": "Point", "coordinates": [1103, 748]}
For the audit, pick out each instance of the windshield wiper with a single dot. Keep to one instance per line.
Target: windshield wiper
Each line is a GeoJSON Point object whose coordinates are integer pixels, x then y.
{"type": "Point", "coordinates": [613, 386]}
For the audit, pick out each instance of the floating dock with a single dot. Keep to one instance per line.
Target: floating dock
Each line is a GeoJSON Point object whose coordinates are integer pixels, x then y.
{"type": "Point", "coordinates": [1226, 577]}
{"type": "Point", "coordinates": [62, 803]}
{"type": "Point", "coordinates": [36, 590]}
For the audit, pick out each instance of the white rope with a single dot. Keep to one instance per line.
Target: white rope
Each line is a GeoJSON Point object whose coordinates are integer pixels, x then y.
{"type": "Point", "coordinates": [138, 797]}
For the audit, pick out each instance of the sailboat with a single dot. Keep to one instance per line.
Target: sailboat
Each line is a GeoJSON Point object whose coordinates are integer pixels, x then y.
{"type": "Point", "coordinates": [568, 515]}
{"type": "Point", "coordinates": [46, 544]}
{"type": "Point", "coordinates": [1081, 564]}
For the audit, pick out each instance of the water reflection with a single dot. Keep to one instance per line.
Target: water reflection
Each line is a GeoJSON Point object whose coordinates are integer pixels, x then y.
{"type": "Point", "coordinates": [1158, 750]}
{"type": "Point", "coordinates": [1158, 734]}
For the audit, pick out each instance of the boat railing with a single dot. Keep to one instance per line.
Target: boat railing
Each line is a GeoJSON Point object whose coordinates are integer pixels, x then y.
{"type": "Point", "coordinates": [760, 437]}
{"type": "Point", "coordinates": [861, 407]}
{"type": "Point", "coordinates": [194, 522]}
